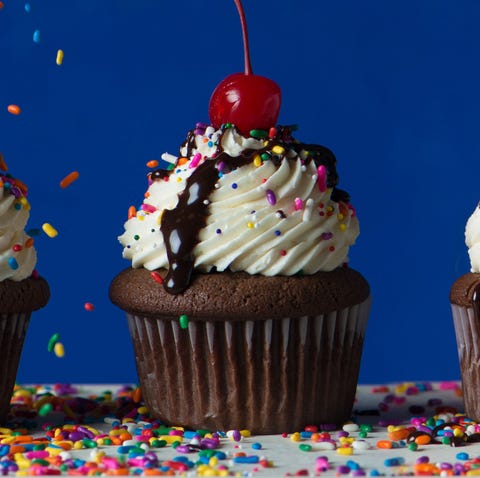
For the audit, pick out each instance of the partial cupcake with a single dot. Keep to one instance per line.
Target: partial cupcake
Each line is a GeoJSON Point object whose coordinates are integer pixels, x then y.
{"type": "Point", "coordinates": [242, 308]}
{"type": "Point", "coordinates": [22, 290]}
{"type": "Point", "coordinates": [465, 303]}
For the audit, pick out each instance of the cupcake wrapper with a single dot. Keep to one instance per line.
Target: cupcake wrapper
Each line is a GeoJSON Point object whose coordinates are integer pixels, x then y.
{"type": "Point", "coordinates": [13, 328]}
{"type": "Point", "coordinates": [268, 376]}
{"type": "Point", "coordinates": [467, 332]}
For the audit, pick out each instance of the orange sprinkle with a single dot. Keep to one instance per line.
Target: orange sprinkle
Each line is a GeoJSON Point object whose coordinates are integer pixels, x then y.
{"type": "Point", "coordinates": [423, 439]}
{"type": "Point", "coordinates": [1, 5]}
{"type": "Point", "coordinates": [182, 161]}
{"type": "Point", "coordinates": [118, 472]}
{"type": "Point", "coordinates": [152, 164]}
{"type": "Point", "coordinates": [3, 164]}
{"type": "Point", "coordinates": [69, 179]}
{"type": "Point", "coordinates": [385, 444]}
{"type": "Point", "coordinates": [137, 395]}
{"type": "Point", "coordinates": [132, 212]}
{"type": "Point", "coordinates": [14, 109]}
{"type": "Point", "coordinates": [398, 435]}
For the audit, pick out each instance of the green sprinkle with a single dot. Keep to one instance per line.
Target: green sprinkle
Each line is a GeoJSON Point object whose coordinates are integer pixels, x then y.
{"type": "Point", "coordinates": [53, 340]}
{"type": "Point", "coordinates": [258, 133]}
{"type": "Point", "coordinates": [363, 434]}
{"type": "Point", "coordinates": [183, 319]}
{"type": "Point", "coordinates": [305, 447]}
{"type": "Point", "coordinates": [45, 409]}
{"type": "Point", "coordinates": [446, 440]}
{"type": "Point", "coordinates": [413, 446]}
{"type": "Point", "coordinates": [366, 427]}
{"type": "Point", "coordinates": [264, 156]}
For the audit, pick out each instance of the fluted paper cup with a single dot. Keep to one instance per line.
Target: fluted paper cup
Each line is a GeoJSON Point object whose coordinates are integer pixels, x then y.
{"type": "Point", "coordinates": [266, 375]}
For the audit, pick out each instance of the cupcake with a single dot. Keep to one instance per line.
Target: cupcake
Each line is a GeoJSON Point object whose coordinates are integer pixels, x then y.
{"type": "Point", "coordinates": [21, 289]}
{"type": "Point", "coordinates": [241, 306]}
{"type": "Point", "coordinates": [465, 303]}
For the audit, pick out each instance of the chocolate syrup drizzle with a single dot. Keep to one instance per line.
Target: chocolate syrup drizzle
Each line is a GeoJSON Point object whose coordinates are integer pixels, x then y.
{"type": "Point", "coordinates": [181, 226]}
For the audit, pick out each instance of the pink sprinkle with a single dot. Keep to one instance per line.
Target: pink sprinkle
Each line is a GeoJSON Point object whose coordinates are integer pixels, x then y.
{"type": "Point", "coordinates": [271, 198]}
{"type": "Point", "coordinates": [298, 204]}
{"type": "Point", "coordinates": [195, 160]}
{"type": "Point", "coordinates": [448, 386]}
{"type": "Point", "coordinates": [148, 208]}
{"type": "Point", "coordinates": [322, 178]}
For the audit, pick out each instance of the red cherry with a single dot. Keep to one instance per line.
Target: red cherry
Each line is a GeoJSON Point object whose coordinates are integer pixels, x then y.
{"type": "Point", "coordinates": [246, 100]}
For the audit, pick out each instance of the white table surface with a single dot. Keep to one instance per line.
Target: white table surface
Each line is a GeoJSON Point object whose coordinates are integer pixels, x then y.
{"type": "Point", "coordinates": [289, 460]}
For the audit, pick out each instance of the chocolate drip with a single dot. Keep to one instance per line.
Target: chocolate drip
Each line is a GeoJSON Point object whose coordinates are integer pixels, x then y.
{"type": "Point", "coordinates": [181, 226]}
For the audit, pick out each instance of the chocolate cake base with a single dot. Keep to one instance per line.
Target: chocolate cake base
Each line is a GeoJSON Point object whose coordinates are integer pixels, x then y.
{"type": "Point", "coordinates": [17, 301]}
{"type": "Point", "coordinates": [258, 354]}
{"type": "Point", "coordinates": [465, 303]}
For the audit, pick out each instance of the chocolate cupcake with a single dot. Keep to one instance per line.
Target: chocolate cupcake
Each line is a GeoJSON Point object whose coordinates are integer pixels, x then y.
{"type": "Point", "coordinates": [242, 309]}
{"type": "Point", "coordinates": [21, 289]}
{"type": "Point", "coordinates": [465, 304]}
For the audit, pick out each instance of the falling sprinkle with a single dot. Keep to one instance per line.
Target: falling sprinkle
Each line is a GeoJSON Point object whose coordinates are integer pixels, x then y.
{"type": "Point", "coordinates": [36, 36]}
{"type": "Point", "coordinates": [49, 230]}
{"type": "Point", "coordinates": [1, 5]}
{"type": "Point", "coordinates": [89, 307]}
{"type": "Point", "coordinates": [69, 179]}
{"type": "Point", "coordinates": [53, 340]}
{"type": "Point", "coordinates": [45, 409]}
{"type": "Point", "coordinates": [14, 109]}
{"type": "Point", "coordinates": [59, 350]}
{"type": "Point", "coordinates": [59, 58]}
{"type": "Point", "coordinates": [152, 164]}
{"type": "Point", "coordinates": [28, 7]}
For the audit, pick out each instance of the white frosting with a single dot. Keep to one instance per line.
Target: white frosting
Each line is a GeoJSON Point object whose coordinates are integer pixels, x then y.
{"type": "Point", "coordinates": [245, 231]}
{"type": "Point", "coordinates": [472, 239]}
{"type": "Point", "coordinates": [17, 254]}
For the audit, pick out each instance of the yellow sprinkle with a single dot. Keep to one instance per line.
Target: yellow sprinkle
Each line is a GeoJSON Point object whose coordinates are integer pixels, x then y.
{"type": "Point", "coordinates": [245, 433]}
{"type": "Point", "coordinates": [59, 59]}
{"type": "Point", "coordinates": [59, 350]}
{"type": "Point", "coordinates": [343, 227]}
{"type": "Point", "coordinates": [213, 461]}
{"type": "Point", "coordinates": [179, 179]}
{"type": "Point", "coordinates": [346, 440]}
{"type": "Point", "coordinates": [142, 410]}
{"type": "Point", "coordinates": [250, 225]}
{"type": "Point", "coordinates": [458, 432]}
{"type": "Point", "coordinates": [171, 438]}
{"type": "Point", "coordinates": [49, 230]}
{"type": "Point", "coordinates": [78, 445]}
{"type": "Point", "coordinates": [340, 216]}
{"type": "Point", "coordinates": [296, 437]}
{"type": "Point", "coordinates": [277, 149]}
{"type": "Point", "coordinates": [6, 431]}
{"type": "Point", "coordinates": [257, 161]}
{"type": "Point", "coordinates": [345, 450]}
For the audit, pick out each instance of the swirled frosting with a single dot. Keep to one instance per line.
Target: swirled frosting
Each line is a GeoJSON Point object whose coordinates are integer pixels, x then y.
{"type": "Point", "coordinates": [472, 239]}
{"type": "Point", "coordinates": [264, 205]}
{"type": "Point", "coordinates": [17, 254]}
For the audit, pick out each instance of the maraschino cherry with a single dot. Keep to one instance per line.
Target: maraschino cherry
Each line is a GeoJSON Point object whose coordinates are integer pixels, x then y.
{"type": "Point", "coordinates": [245, 100]}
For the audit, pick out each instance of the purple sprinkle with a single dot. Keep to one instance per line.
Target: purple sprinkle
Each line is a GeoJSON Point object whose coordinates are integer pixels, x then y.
{"type": "Point", "coordinates": [271, 198]}
{"type": "Point", "coordinates": [423, 459]}
{"type": "Point", "coordinates": [218, 231]}
{"type": "Point", "coordinates": [343, 470]}
{"type": "Point", "coordinates": [327, 235]}
{"type": "Point", "coordinates": [234, 185]}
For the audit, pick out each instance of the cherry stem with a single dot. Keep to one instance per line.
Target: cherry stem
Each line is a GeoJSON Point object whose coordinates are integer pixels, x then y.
{"type": "Point", "coordinates": [246, 50]}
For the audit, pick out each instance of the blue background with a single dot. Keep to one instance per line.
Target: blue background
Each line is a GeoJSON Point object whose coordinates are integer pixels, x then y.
{"type": "Point", "coordinates": [392, 87]}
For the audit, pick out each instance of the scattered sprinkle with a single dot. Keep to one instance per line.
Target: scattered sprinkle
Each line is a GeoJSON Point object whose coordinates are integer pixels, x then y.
{"type": "Point", "coordinates": [36, 36]}
{"type": "Point", "coordinates": [183, 320]}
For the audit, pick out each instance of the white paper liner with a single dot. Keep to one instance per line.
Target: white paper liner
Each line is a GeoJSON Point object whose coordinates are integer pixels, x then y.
{"type": "Point", "coordinates": [268, 376]}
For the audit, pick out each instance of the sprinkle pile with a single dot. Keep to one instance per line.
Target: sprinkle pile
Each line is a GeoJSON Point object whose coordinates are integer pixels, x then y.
{"type": "Point", "coordinates": [61, 430]}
